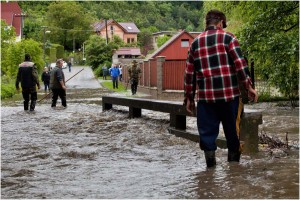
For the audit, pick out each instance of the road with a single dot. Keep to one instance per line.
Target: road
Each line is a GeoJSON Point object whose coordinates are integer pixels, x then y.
{"type": "Point", "coordinates": [85, 79]}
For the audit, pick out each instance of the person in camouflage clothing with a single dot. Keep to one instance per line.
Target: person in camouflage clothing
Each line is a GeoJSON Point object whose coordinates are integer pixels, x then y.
{"type": "Point", "coordinates": [134, 73]}
{"type": "Point", "coordinates": [28, 76]}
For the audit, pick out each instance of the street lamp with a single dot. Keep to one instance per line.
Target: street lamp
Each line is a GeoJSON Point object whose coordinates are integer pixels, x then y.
{"type": "Point", "coordinates": [83, 58]}
{"type": "Point", "coordinates": [44, 47]}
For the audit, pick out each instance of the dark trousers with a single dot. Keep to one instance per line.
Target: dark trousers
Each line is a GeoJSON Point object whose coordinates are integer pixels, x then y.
{"type": "Point", "coordinates": [29, 94]}
{"type": "Point", "coordinates": [134, 84]}
{"type": "Point", "coordinates": [115, 82]}
{"type": "Point", "coordinates": [46, 84]}
{"type": "Point", "coordinates": [209, 116]}
{"type": "Point", "coordinates": [61, 93]}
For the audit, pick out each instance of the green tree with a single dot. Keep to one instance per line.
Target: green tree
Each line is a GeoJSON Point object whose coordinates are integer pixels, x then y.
{"type": "Point", "coordinates": [69, 22]}
{"type": "Point", "coordinates": [268, 33]}
{"type": "Point", "coordinates": [8, 37]}
{"type": "Point", "coordinates": [271, 37]}
{"type": "Point", "coordinates": [97, 51]}
{"type": "Point", "coordinates": [145, 41]}
{"type": "Point", "coordinates": [162, 40]}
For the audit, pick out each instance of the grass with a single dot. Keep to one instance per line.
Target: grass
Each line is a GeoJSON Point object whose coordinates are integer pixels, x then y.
{"type": "Point", "coordinates": [109, 85]}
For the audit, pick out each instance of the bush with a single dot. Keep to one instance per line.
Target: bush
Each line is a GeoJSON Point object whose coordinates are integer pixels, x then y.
{"type": "Point", "coordinates": [267, 97]}
{"type": "Point", "coordinates": [7, 90]}
{"type": "Point", "coordinates": [52, 55]}
{"type": "Point", "coordinates": [98, 71]}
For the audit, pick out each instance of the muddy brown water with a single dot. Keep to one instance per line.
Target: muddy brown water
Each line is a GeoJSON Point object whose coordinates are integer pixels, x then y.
{"type": "Point", "coordinates": [82, 152]}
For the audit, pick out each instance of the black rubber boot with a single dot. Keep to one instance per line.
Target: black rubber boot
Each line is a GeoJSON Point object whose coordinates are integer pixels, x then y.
{"type": "Point", "coordinates": [26, 105]}
{"type": "Point", "coordinates": [53, 104]}
{"type": "Point", "coordinates": [234, 156]}
{"type": "Point", "coordinates": [32, 105]}
{"type": "Point", "coordinates": [210, 158]}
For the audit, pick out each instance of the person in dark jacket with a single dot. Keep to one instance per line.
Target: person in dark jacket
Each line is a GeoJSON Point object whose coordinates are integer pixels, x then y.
{"type": "Point", "coordinates": [134, 76]}
{"type": "Point", "coordinates": [69, 65]}
{"type": "Point", "coordinates": [28, 76]}
{"type": "Point", "coordinates": [46, 78]}
{"type": "Point", "coordinates": [57, 84]}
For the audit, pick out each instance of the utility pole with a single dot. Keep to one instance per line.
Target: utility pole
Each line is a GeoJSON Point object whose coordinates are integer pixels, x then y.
{"type": "Point", "coordinates": [73, 43]}
{"type": "Point", "coordinates": [44, 46]}
{"type": "Point", "coordinates": [106, 31]}
{"type": "Point", "coordinates": [83, 58]}
{"type": "Point", "coordinates": [252, 73]}
{"type": "Point", "coordinates": [112, 32]}
{"type": "Point", "coordinates": [74, 47]}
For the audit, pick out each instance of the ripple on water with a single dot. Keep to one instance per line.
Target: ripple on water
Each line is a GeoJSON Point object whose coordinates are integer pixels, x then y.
{"type": "Point", "coordinates": [82, 152]}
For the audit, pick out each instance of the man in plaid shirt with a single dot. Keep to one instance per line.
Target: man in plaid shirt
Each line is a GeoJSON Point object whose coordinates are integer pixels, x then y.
{"type": "Point", "coordinates": [215, 63]}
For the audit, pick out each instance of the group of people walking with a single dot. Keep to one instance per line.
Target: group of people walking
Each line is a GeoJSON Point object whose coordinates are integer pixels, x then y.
{"type": "Point", "coordinates": [134, 73]}
{"type": "Point", "coordinates": [28, 77]}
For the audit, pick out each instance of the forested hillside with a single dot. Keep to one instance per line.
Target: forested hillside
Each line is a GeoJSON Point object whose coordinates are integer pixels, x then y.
{"type": "Point", "coordinates": [149, 16]}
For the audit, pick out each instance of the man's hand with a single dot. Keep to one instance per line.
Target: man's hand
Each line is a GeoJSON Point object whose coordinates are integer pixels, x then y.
{"type": "Point", "coordinates": [190, 106]}
{"type": "Point", "coordinates": [64, 87]}
{"type": "Point", "coordinates": [252, 94]}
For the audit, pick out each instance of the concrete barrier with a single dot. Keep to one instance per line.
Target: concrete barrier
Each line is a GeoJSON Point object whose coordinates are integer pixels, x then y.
{"type": "Point", "coordinates": [250, 119]}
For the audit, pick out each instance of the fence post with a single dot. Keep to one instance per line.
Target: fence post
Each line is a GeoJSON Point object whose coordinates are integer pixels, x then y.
{"type": "Point", "coordinates": [142, 66]}
{"type": "Point", "coordinates": [252, 73]}
{"type": "Point", "coordinates": [160, 61]}
{"type": "Point", "coordinates": [149, 75]}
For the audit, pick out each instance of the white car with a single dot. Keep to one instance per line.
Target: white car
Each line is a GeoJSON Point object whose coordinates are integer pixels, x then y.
{"type": "Point", "coordinates": [65, 65]}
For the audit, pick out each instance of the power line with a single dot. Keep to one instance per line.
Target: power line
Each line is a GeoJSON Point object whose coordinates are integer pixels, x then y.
{"type": "Point", "coordinates": [65, 29]}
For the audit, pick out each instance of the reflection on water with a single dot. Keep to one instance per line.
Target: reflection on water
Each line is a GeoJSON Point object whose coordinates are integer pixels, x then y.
{"type": "Point", "coordinates": [82, 152]}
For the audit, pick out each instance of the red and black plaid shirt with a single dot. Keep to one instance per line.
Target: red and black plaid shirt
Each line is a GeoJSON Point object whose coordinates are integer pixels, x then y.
{"type": "Point", "coordinates": [215, 60]}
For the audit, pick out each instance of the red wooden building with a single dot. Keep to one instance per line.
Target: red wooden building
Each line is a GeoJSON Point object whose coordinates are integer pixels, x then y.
{"type": "Point", "coordinates": [163, 71]}
{"type": "Point", "coordinates": [175, 48]}
{"type": "Point", "coordinates": [11, 13]}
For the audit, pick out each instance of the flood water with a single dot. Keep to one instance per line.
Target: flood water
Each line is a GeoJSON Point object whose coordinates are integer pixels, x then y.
{"type": "Point", "coordinates": [82, 152]}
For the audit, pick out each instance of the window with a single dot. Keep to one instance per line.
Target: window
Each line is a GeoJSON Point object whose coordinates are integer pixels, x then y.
{"type": "Point", "coordinates": [130, 40]}
{"type": "Point", "coordinates": [185, 43]}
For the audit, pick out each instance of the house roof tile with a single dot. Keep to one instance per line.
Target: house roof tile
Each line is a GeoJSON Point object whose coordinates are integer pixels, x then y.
{"type": "Point", "coordinates": [128, 27]}
{"type": "Point", "coordinates": [128, 51]}
{"type": "Point", "coordinates": [100, 25]}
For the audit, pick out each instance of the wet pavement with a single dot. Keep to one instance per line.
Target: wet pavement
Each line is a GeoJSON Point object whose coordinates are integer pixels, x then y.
{"type": "Point", "coordinates": [82, 152]}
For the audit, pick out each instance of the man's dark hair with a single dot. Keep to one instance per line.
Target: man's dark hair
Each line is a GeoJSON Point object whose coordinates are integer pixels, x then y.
{"type": "Point", "coordinates": [27, 57]}
{"type": "Point", "coordinates": [214, 17]}
{"type": "Point", "coordinates": [58, 60]}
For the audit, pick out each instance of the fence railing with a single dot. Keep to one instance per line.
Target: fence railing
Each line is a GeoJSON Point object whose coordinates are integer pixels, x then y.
{"type": "Point", "coordinates": [160, 75]}
{"type": "Point", "coordinates": [172, 74]}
